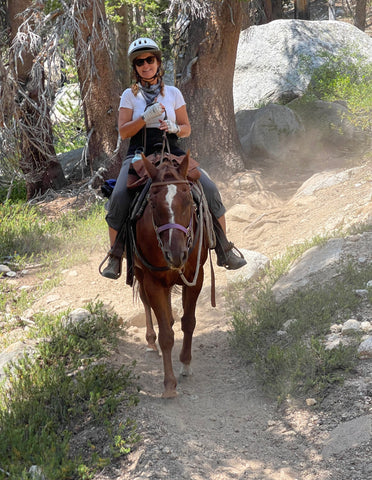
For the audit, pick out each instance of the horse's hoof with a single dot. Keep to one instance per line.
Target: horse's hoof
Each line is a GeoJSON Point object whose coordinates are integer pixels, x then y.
{"type": "Point", "coordinates": [152, 348]}
{"type": "Point", "coordinates": [170, 394]}
{"type": "Point", "coordinates": [186, 370]}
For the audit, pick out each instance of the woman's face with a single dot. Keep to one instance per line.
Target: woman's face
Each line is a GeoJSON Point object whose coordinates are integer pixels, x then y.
{"type": "Point", "coordinates": [147, 66]}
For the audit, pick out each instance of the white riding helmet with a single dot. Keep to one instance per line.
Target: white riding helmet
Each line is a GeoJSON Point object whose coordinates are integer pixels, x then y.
{"type": "Point", "coordinates": [142, 45]}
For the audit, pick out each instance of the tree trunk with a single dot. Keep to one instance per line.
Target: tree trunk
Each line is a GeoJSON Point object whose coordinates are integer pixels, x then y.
{"type": "Point", "coordinates": [302, 9]}
{"type": "Point", "coordinates": [360, 14]}
{"type": "Point", "coordinates": [277, 9]}
{"type": "Point", "coordinates": [206, 80]}
{"type": "Point", "coordinates": [268, 9]}
{"type": "Point", "coordinates": [100, 91]}
{"type": "Point", "coordinates": [38, 159]}
{"type": "Point", "coordinates": [121, 38]}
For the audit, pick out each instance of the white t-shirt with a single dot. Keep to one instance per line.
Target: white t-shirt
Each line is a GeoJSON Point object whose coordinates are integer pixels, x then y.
{"type": "Point", "coordinates": [172, 101]}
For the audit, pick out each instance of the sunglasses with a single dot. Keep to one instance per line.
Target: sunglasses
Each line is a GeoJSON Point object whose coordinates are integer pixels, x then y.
{"type": "Point", "coordinates": [139, 62]}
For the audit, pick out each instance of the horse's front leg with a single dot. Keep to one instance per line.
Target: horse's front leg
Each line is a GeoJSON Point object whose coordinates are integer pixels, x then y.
{"type": "Point", "coordinates": [159, 299]}
{"type": "Point", "coordinates": [188, 321]}
{"type": "Point", "coordinates": [150, 332]}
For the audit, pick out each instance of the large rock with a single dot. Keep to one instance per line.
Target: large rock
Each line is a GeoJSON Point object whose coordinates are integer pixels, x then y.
{"type": "Point", "coordinates": [321, 264]}
{"type": "Point", "coordinates": [256, 262]}
{"type": "Point", "coordinates": [270, 58]}
{"type": "Point", "coordinates": [348, 435]}
{"type": "Point", "coordinates": [329, 124]}
{"type": "Point", "coordinates": [13, 353]}
{"type": "Point", "coordinates": [73, 164]}
{"type": "Point", "coordinates": [67, 98]}
{"type": "Point", "coordinates": [323, 180]}
{"type": "Point", "coordinates": [320, 260]}
{"type": "Point", "coordinates": [270, 132]}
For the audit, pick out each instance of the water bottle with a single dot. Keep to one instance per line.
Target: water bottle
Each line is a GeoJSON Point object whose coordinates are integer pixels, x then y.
{"type": "Point", "coordinates": [137, 155]}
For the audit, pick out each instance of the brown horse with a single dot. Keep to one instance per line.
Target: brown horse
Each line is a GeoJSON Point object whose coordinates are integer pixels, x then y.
{"type": "Point", "coordinates": [170, 250]}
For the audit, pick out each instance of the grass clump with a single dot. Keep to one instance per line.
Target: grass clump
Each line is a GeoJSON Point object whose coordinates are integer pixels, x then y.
{"type": "Point", "coordinates": [58, 404]}
{"type": "Point", "coordinates": [29, 240]}
{"type": "Point", "coordinates": [295, 362]}
{"type": "Point", "coordinates": [24, 231]}
{"type": "Point", "coordinates": [28, 236]}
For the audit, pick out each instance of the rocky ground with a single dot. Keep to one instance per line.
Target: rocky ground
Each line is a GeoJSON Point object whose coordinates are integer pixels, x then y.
{"type": "Point", "coordinates": [221, 426]}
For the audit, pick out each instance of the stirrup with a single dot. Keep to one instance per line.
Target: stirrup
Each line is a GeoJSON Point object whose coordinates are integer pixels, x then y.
{"type": "Point", "coordinates": [106, 272]}
{"type": "Point", "coordinates": [237, 260]}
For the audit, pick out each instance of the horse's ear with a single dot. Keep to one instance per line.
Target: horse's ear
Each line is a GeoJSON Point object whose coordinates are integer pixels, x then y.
{"type": "Point", "coordinates": [150, 167]}
{"type": "Point", "coordinates": [184, 165]}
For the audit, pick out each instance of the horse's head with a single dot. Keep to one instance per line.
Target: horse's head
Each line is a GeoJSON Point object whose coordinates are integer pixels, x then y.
{"type": "Point", "coordinates": [172, 207]}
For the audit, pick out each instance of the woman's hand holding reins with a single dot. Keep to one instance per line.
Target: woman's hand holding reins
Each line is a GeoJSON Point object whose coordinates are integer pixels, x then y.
{"type": "Point", "coordinates": [169, 126]}
{"type": "Point", "coordinates": [153, 112]}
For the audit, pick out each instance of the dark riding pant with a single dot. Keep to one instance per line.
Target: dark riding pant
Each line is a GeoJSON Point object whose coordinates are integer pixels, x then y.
{"type": "Point", "coordinates": [120, 199]}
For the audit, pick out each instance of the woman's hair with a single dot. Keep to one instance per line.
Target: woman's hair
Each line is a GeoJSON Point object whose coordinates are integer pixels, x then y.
{"type": "Point", "coordinates": [137, 79]}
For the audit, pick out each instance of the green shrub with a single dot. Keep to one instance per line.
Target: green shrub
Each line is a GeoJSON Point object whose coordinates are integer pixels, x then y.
{"type": "Point", "coordinates": [17, 191]}
{"type": "Point", "coordinates": [345, 76]}
{"type": "Point", "coordinates": [294, 363]}
{"type": "Point", "coordinates": [61, 390]}
{"type": "Point", "coordinates": [69, 132]}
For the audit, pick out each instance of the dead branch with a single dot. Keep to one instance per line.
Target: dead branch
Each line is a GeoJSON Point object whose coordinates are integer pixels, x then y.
{"type": "Point", "coordinates": [44, 36]}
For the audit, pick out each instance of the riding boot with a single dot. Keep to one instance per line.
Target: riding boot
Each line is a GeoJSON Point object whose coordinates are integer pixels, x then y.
{"type": "Point", "coordinates": [115, 256]}
{"type": "Point", "coordinates": [226, 257]}
{"type": "Point", "coordinates": [113, 269]}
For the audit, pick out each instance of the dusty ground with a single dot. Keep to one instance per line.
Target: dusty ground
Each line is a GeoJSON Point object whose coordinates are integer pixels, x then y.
{"type": "Point", "coordinates": [221, 426]}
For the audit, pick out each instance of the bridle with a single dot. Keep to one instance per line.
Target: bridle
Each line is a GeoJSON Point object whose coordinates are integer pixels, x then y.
{"type": "Point", "coordinates": [191, 242]}
{"type": "Point", "coordinates": [188, 231]}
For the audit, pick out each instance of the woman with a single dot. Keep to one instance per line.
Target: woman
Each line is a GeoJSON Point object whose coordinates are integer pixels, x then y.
{"type": "Point", "coordinates": [142, 112]}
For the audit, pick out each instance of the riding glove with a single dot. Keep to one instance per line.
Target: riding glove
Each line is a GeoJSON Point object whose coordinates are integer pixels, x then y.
{"type": "Point", "coordinates": [152, 112]}
{"type": "Point", "coordinates": [172, 127]}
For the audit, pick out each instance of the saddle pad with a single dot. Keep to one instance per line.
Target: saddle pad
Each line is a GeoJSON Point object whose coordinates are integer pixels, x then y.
{"type": "Point", "coordinates": [138, 176]}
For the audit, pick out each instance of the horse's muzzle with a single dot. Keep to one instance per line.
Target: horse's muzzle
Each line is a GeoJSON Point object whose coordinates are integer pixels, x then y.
{"type": "Point", "coordinates": [175, 259]}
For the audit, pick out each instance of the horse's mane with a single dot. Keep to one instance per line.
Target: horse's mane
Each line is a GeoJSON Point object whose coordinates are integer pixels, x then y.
{"type": "Point", "coordinates": [167, 171]}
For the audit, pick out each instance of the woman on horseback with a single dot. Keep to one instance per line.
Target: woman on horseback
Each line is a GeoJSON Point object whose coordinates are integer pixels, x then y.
{"type": "Point", "coordinates": [146, 110]}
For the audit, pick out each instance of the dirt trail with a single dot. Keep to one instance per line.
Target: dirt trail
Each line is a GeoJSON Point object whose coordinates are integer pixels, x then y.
{"type": "Point", "coordinates": [221, 427]}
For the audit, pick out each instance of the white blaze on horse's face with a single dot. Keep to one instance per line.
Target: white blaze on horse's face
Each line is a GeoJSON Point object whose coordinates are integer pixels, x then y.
{"type": "Point", "coordinates": [171, 192]}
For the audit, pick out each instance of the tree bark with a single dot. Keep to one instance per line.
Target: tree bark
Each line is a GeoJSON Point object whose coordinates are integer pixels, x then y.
{"type": "Point", "coordinates": [360, 14]}
{"type": "Point", "coordinates": [38, 160]}
{"type": "Point", "coordinates": [277, 9]}
{"type": "Point", "coordinates": [121, 38]}
{"type": "Point", "coordinates": [100, 91]}
{"type": "Point", "coordinates": [302, 9]}
{"type": "Point", "coordinates": [206, 80]}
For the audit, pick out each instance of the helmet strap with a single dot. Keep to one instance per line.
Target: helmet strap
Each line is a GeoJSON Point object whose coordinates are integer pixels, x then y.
{"type": "Point", "coordinates": [148, 80]}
